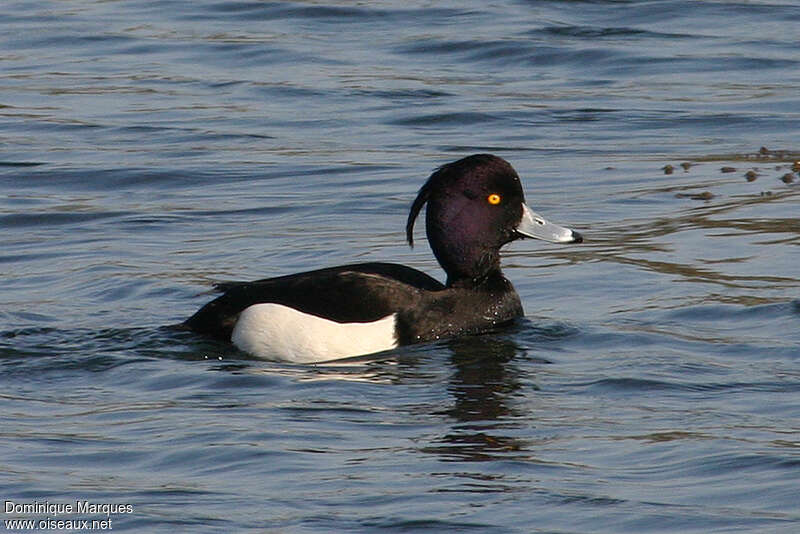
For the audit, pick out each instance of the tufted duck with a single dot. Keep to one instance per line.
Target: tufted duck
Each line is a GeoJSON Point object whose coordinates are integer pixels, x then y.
{"type": "Point", "coordinates": [475, 206]}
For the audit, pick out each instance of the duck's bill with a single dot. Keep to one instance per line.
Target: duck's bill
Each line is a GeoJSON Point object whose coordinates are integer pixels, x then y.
{"type": "Point", "coordinates": [535, 226]}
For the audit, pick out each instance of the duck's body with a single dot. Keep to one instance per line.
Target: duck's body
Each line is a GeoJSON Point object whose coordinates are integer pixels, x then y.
{"type": "Point", "coordinates": [475, 206]}
{"type": "Point", "coordinates": [379, 305]}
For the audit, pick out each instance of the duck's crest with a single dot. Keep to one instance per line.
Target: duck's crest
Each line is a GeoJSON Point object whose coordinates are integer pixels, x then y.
{"type": "Point", "coordinates": [416, 207]}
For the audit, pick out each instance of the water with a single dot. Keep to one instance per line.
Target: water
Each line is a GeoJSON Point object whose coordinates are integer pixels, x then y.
{"type": "Point", "coordinates": [148, 149]}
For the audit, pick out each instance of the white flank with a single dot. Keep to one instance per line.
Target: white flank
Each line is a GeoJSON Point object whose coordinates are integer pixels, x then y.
{"type": "Point", "coordinates": [277, 332]}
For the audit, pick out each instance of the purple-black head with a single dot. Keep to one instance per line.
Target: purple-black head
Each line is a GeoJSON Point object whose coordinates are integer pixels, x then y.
{"type": "Point", "coordinates": [475, 206]}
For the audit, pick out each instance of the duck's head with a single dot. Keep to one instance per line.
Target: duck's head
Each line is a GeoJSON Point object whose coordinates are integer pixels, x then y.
{"type": "Point", "coordinates": [475, 206]}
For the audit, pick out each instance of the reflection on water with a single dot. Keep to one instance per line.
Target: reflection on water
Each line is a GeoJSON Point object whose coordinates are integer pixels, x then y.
{"type": "Point", "coordinates": [483, 384]}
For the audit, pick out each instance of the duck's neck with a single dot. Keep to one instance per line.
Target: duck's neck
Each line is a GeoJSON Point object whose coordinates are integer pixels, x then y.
{"type": "Point", "coordinates": [477, 279]}
{"type": "Point", "coordinates": [467, 260]}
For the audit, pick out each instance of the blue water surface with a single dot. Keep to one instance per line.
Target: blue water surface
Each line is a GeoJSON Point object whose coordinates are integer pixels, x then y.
{"type": "Point", "coordinates": [151, 148]}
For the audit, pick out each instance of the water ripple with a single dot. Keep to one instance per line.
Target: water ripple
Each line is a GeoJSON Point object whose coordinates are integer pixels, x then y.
{"type": "Point", "coordinates": [151, 148]}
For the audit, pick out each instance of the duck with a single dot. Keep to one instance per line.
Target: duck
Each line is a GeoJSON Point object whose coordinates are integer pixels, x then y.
{"type": "Point", "coordinates": [475, 206]}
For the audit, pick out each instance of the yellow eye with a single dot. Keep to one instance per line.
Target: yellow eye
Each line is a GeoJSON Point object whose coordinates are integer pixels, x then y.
{"type": "Point", "coordinates": [494, 199]}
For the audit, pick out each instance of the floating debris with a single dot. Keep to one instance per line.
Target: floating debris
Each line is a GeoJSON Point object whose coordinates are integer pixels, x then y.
{"type": "Point", "coordinates": [751, 175]}
{"type": "Point", "coordinates": [728, 169]}
{"type": "Point", "coordinates": [787, 178]}
{"type": "Point", "coordinates": [688, 164]}
{"type": "Point", "coordinates": [796, 166]}
{"type": "Point", "coordinates": [763, 154]}
{"type": "Point", "coordinates": [668, 169]}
